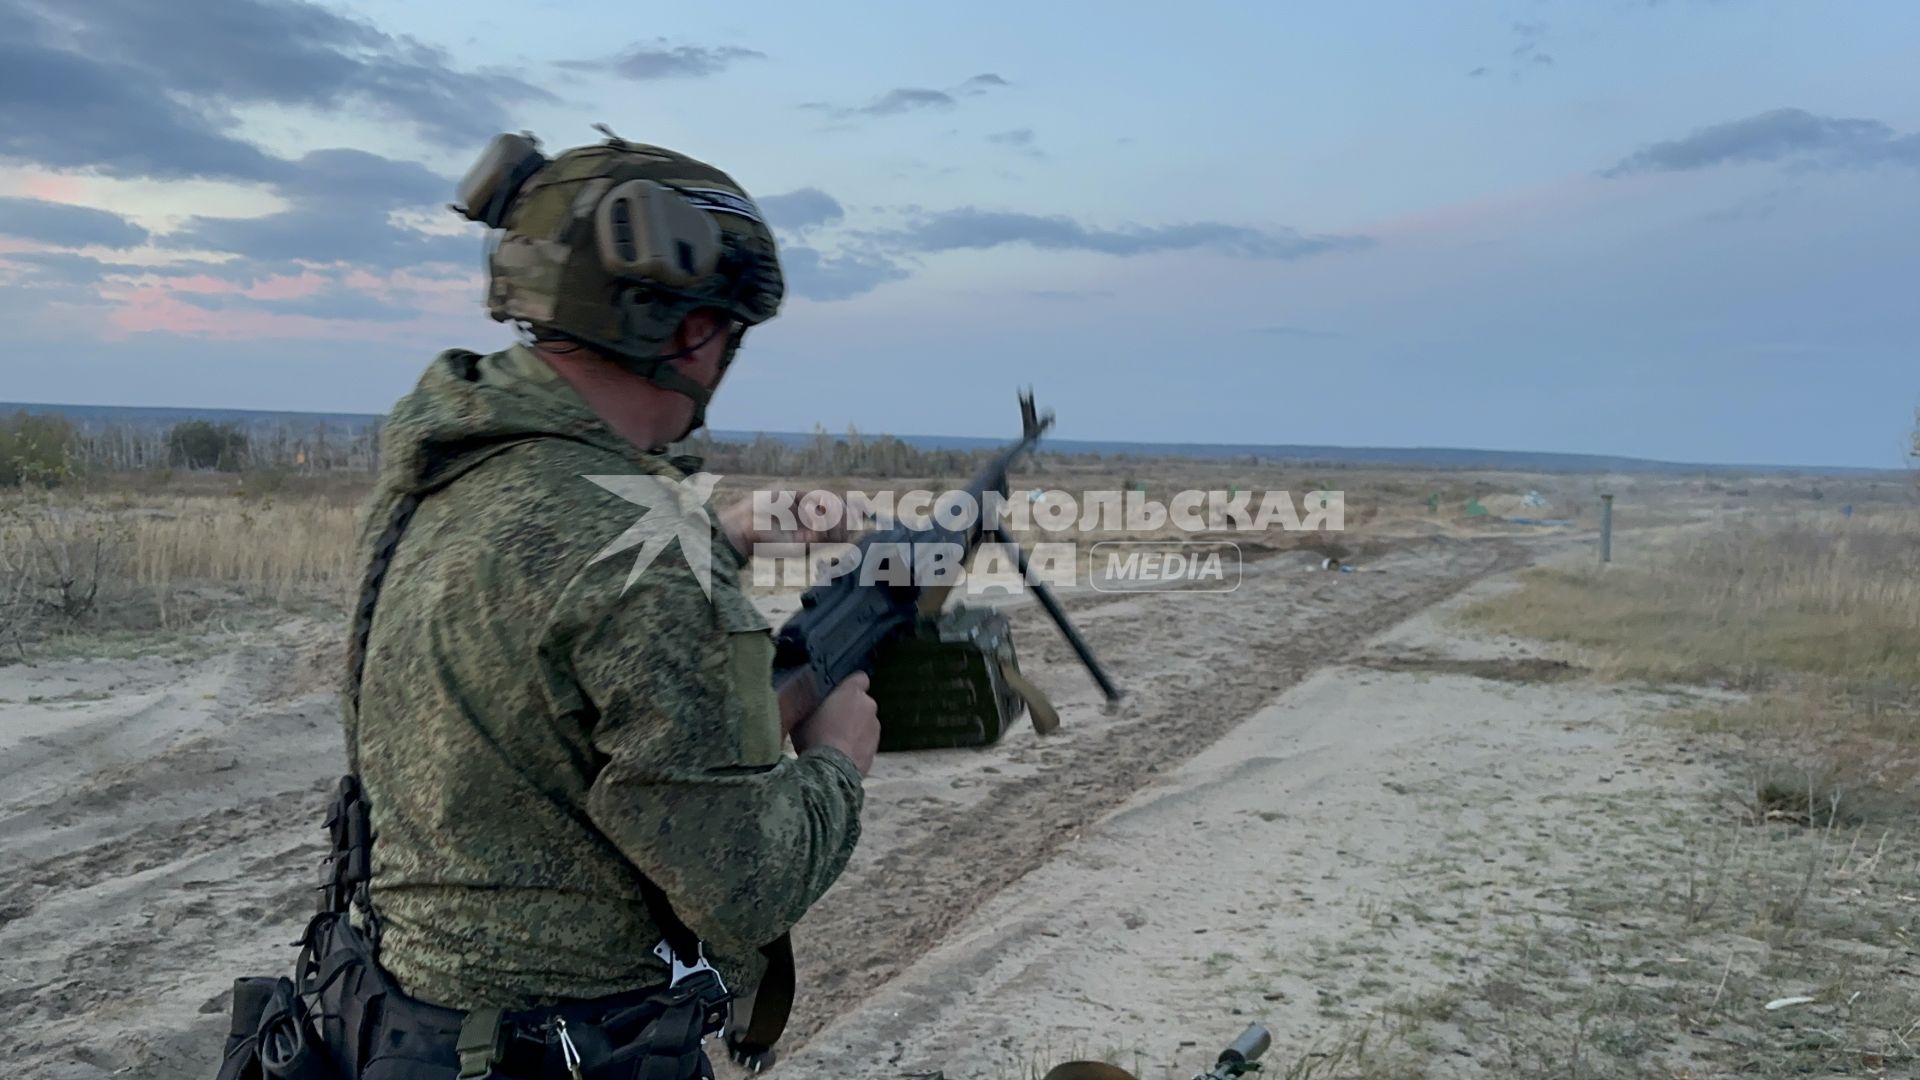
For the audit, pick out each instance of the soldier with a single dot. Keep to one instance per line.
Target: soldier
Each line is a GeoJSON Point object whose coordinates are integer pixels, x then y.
{"type": "Point", "coordinates": [576, 783]}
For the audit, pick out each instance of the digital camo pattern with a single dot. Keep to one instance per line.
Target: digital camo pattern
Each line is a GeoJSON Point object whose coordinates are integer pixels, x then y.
{"type": "Point", "coordinates": [528, 735]}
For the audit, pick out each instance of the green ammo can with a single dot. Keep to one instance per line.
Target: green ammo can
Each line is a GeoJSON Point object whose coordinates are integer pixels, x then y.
{"type": "Point", "coordinates": [946, 683]}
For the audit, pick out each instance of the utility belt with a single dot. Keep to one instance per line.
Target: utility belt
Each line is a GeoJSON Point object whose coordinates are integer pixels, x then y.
{"type": "Point", "coordinates": [341, 1016]}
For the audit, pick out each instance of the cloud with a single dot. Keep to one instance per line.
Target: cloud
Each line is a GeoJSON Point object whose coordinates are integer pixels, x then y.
{"type": "Point", "coordinates": [660, 60]}
{"type": "Point", "coordinates": [67, 226]}
{"type": "Point", "coordinates": [906, 99]}
{"type": "Point", "coordinates": [215, 55]}
{"type": "Point", "coordinates": [67, 111]}
{"type": "Point", "coordinates": [246, 300]}
{"type": "Point", "coordinates": [340, 201]}
{"type": "Point", "coordinates": [333, 303]}
{"type": "Point", "coordinates": [970, 228]}
{"type": "Point", "coordinates": [50, 268]}
{"type": "Point", "coordinates": [361, 178]}
{"type": "Point", "coordinates": [814, 276]}
{"type": "Point", "coordinates": [135, 90]}
{"type": "Point", "coordinates": [71, 268]}
{"type": "Point", "coordinates": [1778, 135]}
{"type": "Point", "coordinates": [1525, 54]}
{"type": "Point", "coordinates": [980, 84]}
{"type": "Point", "coordinates": [1019, 141]}
{"type": "Point", "coordinates": [801, 210]}
{"type": "Point", "coordinates": [48, 295]}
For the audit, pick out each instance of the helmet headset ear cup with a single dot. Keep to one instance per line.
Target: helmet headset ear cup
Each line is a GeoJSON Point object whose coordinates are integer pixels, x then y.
{"type": "Point", "coordinates": [645, 231]}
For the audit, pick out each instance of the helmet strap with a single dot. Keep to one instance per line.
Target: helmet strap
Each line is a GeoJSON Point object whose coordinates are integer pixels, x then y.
{"type": "Point", "coordinates": [659, 371]}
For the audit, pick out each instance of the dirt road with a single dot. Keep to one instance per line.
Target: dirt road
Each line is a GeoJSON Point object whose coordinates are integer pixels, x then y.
{"type": "Point", "coordinates": [1348, 850]}
{"type": "Point", "coordinates": [159, 817]}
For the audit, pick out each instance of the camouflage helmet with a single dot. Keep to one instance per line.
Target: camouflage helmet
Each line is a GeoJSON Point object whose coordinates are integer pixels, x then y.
{"type": "Point", "coordinates": [613, 245]}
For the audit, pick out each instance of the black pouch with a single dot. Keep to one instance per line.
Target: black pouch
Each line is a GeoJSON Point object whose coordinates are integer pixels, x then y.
{"type": "Point", "coordinates": [658, 1036]}
{"type": "Point", "coordinates": [240, 1060]}
{"type": "Point", "coordinates": [272, 1037]}
{"type": "Point", "coordinates": [288, 1044]}
{"type": "Point", "coordinates": [668, 1047]}
{"type": "Point", "coordinates": [374, 1030]}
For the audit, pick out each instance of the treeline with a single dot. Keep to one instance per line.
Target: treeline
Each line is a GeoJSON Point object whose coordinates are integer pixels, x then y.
{"type": "Point", "coordinates": [227, 447]}
{"type": "Point", "coordinates": [852, 454]}
{"type": "Point", "coordinates": [47, 449]}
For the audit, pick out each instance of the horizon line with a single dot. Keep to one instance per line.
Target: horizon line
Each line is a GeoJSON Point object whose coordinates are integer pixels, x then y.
{"type": "Point", "coordinates": [1226, 449]}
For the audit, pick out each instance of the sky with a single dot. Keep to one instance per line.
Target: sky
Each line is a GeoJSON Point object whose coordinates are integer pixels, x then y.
{"type": "Point", "coordinates": [1678, 229]}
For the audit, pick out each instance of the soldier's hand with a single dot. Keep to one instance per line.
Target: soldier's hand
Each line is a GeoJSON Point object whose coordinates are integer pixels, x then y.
{"type": "Point", "coordinates": [848, 720]}
{"type": "Point", "coordinates": [745, 533]}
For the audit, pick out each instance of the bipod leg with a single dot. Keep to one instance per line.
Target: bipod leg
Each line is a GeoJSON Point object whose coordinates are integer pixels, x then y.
{"type": "Point", "coordinates": [1059, 616]}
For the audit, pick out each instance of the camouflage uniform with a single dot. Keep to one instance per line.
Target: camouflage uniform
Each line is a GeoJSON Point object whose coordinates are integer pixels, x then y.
{"type": "Point", "coordinates": [530, 737]}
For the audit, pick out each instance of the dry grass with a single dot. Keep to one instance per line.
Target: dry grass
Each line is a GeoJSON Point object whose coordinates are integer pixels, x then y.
{"type": "Point", "coordinates": [1825, 596]}
{"type": "Point", "coordinates": [1816, 618]}
{"type": "Point", "coordinates": [274, 548]}
{"type": "Point", "coordinates": [1671, 958]}
{"type": "Point", "coordinates": [78, 563]}
{"type": "Point", "coordinates": [1796, 880]}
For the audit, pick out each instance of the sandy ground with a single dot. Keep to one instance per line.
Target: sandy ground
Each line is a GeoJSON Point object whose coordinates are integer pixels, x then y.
{"type": "Point", "coordinates": [159, 826]}
{"type": "Point", "coordinates": [1311, 866]}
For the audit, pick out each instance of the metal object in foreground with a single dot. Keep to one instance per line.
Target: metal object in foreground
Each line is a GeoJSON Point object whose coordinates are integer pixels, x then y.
{"type": "Point", "coordinates": [1241, 1056]}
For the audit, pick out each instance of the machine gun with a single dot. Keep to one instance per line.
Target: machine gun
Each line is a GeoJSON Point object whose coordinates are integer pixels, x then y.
{"type": "Point", "coordinates": [844, 623]}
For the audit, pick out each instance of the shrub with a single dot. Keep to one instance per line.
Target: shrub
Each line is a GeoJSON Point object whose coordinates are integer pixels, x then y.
{"type": "Point", "coordinates": [202, 444]}
{"type": "Point", "coordinates": [35, 450]}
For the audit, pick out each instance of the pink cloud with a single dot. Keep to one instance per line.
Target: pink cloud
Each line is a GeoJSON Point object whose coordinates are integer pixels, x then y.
{"type": "Point", "coordinates": [60, 189]}
{"type": "Point", "coordinates": [156, 309]}
{"type": "Point", "coordinates": [203, 284]}
{"type": "Point", "coordinates": [277, 287]}
{"type": "Point", "coordinates": [430, 293]}
{"type": "Point", "coordinates": [141, 301]}
{"type": "Point", "coordinates": [289, 287]}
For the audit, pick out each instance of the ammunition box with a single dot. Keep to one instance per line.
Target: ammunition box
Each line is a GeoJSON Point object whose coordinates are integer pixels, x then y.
{"type": "Point", "coordinates": [941, 685]}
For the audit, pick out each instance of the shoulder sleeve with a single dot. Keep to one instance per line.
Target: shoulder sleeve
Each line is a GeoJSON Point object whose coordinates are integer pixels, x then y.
{"type": "Point", "coordinates": [742, 839]}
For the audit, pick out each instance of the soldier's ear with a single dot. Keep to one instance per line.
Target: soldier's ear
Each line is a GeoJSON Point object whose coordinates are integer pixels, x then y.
{"type": "Point", "coordinates": [698, 329]}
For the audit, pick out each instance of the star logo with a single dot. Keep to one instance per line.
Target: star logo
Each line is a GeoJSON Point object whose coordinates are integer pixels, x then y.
{"type": "Point", "coordinates": [672, 510]}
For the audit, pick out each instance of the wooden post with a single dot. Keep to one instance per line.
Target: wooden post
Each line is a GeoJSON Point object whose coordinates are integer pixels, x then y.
{"type": "Point", "coordinates": [1606, 528]}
